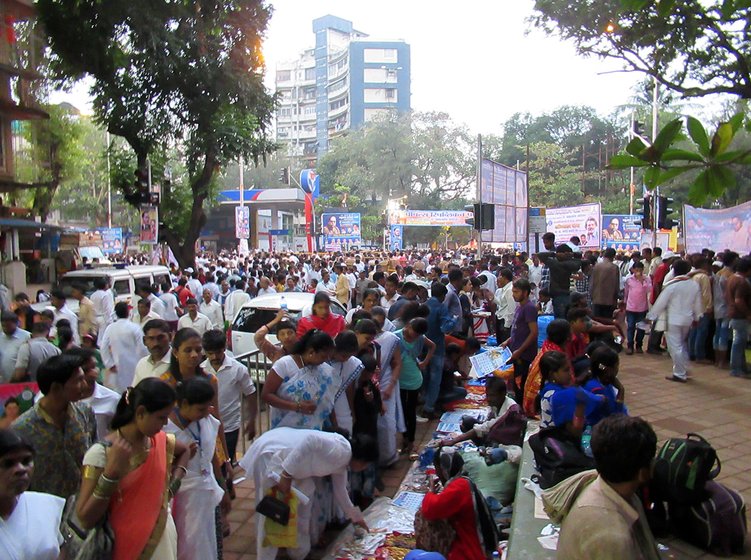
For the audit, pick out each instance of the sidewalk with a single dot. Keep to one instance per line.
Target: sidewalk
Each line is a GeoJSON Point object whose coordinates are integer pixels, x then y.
{"type": "Point", "coordinates": [712, 404]}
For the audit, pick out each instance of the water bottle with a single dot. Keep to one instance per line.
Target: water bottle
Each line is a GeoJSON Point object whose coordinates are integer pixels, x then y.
{"type": "Point", "coordinates": [587, 441]}
{"type": "Point", "coordinates": [283, 304]}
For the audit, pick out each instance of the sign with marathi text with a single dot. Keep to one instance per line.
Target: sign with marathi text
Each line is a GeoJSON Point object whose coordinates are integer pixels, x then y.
{"type": "Point", "coordinates": [581, 221]}
{"type": "Point", "coordinates": [727, 228]}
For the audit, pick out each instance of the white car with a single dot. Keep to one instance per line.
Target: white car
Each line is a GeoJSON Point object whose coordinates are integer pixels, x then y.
{"type": "Point", "coordinates": [262, 310]}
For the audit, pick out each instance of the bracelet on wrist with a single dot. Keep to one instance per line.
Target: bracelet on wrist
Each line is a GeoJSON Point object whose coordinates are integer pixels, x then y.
{"type": "Point", "coordinates": [180, 467]}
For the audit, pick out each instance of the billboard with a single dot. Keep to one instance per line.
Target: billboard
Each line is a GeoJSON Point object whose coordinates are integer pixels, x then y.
{"type": "Point", "coordinates": [582, 221]}
{"type": "Point", "coordinates": [396, 237]}
{"type": "Point", "coordinates": [149, 224]}
{"type": "Point", "coordinates": [619, 232]}
{"type": "Point", "coordinates": [506, 188]}
{"type": "Point", "coordinates": [310, 182]}
{"type": "Point", "coordinates": [728, 228]}
{"type": "Point", "coordinates": [440, 218]}
{"type": "Point", "coordinates": [112, 240]}
{"type": "Point", "coordinates": [340, 228]}
{"type": "Point", "coordinates": [242, 222]}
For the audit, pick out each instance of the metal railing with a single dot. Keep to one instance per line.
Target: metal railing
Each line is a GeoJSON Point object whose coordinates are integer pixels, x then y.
{"type": "Point", "coordinates": [258, 368]}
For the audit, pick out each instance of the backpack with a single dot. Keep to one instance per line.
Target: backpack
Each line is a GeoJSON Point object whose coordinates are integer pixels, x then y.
{"type": "Point", "coordinates": [558, 456]}
{"type": "Point", "coordinates": [487, 530]}
{"type": "Point", "coordinates": [682, 468]}
{"type": "Point", "coordinates": [717, 524]}
{"type": "Point", "coordinates": [509, 429]}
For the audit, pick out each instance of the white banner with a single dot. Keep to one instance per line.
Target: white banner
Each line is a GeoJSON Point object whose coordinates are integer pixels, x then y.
{"type": "Point", "coordinates": [582, 221]}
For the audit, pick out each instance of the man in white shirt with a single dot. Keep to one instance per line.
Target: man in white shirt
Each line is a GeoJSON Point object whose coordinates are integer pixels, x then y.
{"type": "Point", "coordinates": [391, 295]}
{"type": "Point", "coordinates": [325, 284]}
{"type": "Point", "coordinates": [680, 305]}
{"type": "Point", "coordinates": [194, 284]}
{"type": "Point", "coordinates": [171, 306]}
{"type": "Point", "coordinates": [104, 303]}
{"type": "Point", "coordinates": [212, 310]}
{"type": "Point", "coordinates": [265, 287]}
{"type": "Point", "coordinates": [235, 389]}
{"type": "Point", "coordinates": [489, 280]}
{"type": "Point", "coordinates": [143, 313]}
{"type": "Point", "coordinates": [505, 305]}
{"type": "Point", "coordinates": [11, 340]}
{"type": "Point", "coordinates": [211, 285]}
{"type": "Point", "coordinates": [103, 401]}
{"type": "Point", "coordinates": [62, 311]}
{"type": "Point", "coordinates": [235, 301]}
{"type": "Point", "coordinates": [156, 304]}
{"type": "Point", "coordinates": [122, 346]}
{"type": "Point", "coordinates": [193, 319]}
{"type": "Point", "coordinates": [157, 338]}
{"type": "Point", "coordinates": [535, 271]}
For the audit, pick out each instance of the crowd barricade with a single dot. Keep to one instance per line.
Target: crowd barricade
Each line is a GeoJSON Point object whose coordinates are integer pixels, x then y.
{"type": "Point", "coordinates": [258, 367]}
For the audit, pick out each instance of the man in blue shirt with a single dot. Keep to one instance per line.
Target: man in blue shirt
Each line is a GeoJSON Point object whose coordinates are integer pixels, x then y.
{"type": "Point", "coordinates": [440, 323]}
{"type": "Point", "coordinates": [452, 303]}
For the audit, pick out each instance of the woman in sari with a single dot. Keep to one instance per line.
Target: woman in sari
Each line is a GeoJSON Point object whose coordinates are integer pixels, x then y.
{"type": "Point", "coordinates": [301, 387]}
{"type": "Point", "coordinates": [134, 474]}
{"type": "Point", "coordinates": [370, 298]}
{"type": "Point", "coordinates": [322, 318]}
{"type": "Point", "coordinates": [347, 370]}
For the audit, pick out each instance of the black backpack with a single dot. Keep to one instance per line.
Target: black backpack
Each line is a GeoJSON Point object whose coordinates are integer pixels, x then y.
{"type": "Point", "coordinates": [558, 456]}
{"type": "Point", "coordinates": [487, 530]}
{"type": "Point", "coordinates": [682, 468]}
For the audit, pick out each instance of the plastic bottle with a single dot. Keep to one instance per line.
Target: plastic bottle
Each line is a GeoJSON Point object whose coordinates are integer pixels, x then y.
{"type": "Point", "coordinates": [586, 441]}
{"type": "Point", "coordinates": [283, 304]}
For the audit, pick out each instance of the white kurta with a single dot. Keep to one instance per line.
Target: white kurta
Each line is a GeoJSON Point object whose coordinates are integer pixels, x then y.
{"type": "Point", "coordinates": [104, 308]}
{"type": "Point", "coordinates": [122, 346]}
{"type": "Point", "coordinates": [306, 455]}
{"type": "Point", "coordinates": [199, 494]}
{"type": "Point", "coordinates": [345, 373]}
{"type": "Point", "coordinates": [32, 530]}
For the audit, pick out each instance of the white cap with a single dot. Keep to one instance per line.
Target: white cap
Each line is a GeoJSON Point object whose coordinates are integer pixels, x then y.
{"type": "Point", "coordinates": [188, 269]}
{"type": "Point", "coordinates": [717, 263]}
{"type": "Point", "coordinates": [668, 255]}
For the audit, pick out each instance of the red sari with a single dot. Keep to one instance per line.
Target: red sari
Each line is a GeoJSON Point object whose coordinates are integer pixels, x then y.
{"type": "Point", "coordinates": [138, 510]}
{"type": "Point", "coordinates": [331, 324]}
{"type": "Point", "coordinates": [534, 379]}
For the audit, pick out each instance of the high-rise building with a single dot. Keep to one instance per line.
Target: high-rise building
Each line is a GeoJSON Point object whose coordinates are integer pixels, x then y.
{"type": "Point", "coordinates": [343, 82]}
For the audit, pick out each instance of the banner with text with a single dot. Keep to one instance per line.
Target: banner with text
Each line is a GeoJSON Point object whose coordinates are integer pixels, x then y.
{"type": "Point", "coordinates": [506, 188]}
{"type": "Point", "coordinates": [619, 232]}
{"type": "Point", "coordinates": [149, 224]}
{"type": "Point", "coordinates": [441, 218]}
{"type": "Point", "coordinates": [341, 228]}
{"type": "Point", "coordinates": [582, 221]}
{"type": "Point", "coordinates": [112, 240]}
{"type": "Point", "coordinates": [728, 228]}
{"type": "Point", "coordinates": [242, 222]}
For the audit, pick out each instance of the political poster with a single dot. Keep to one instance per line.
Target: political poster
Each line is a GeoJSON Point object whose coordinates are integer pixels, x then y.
{"type": "Point", "coordinates": [149, 224]}
{"type": "Point", "coordinates": [341, 229]}
{"type": "Point", "coordinates": [440, 218]}
{"type": "Point", "coordinates": [21, 393]}
{"type": "Point", "coordinates": [396, 237]}
{"type": "Point", "coordinates": [506, 188]}
{"type": "Point", "coordinates": [620, 232]}
{"type": "Point", "coordinates": [242, 222]}
{"type": "Point", "coordinates": [112, 240]}
{"type": "Point", "coordinates": [727, 228]}
{"type": "Point", "coordinates": [581, 221]}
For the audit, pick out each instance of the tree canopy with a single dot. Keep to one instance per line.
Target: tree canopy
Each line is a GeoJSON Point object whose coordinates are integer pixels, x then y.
{"type": "Point", "coordinates": [694, 47]}
{"type": "Point", "coordinates": [172, 78]}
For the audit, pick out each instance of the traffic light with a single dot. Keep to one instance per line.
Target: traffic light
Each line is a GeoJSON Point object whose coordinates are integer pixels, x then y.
{"type": "Point", "coordinates": [483, 216]}
{"type": "Point", "coordinates": [645, 211]}
{"type": "Point", "coordinates": [167, 181]}
{"type": "Point", "coordinates": [664, 220]}
{"type": "Point", "coordinates": [284, 175]}
{"type": "Point", "coordinates": [142, 185]}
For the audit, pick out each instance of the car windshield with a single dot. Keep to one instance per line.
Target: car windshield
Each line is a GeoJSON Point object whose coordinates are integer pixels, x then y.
{"type": "Point", "coordinates": [66, 284]}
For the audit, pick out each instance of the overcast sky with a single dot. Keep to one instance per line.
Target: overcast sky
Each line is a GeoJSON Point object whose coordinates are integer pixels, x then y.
{"type": "Point", "coordinates": [477, 60]}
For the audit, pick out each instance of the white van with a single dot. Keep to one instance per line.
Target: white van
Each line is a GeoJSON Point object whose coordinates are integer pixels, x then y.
{"type": "Point", "coordinates": [123, 280]}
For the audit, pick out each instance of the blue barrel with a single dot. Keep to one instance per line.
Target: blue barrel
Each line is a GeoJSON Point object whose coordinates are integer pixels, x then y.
{"type": "Point", "coordinates": [542, 328]}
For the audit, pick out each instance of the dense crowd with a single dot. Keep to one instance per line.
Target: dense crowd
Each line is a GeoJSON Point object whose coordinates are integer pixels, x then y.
{"type": "Point", "coordinates": [140, 405]}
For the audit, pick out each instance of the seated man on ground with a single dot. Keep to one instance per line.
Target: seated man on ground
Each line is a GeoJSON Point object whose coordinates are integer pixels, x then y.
{"type": "Point", "coordinates": [602, 518]}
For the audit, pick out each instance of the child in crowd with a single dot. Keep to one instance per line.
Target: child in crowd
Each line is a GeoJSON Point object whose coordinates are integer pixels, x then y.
{"type": "Point", "coordinates": [452, 388]}
{"type": "Point", "coordinates": [202, 488]}
{"type": "Point", "coordinates": [544, 302]}
{"type": "Point", "coordinates": [367, 407]}
{"type": "Point", "coordinates": [579, 322]}
{"type": "Point", "coordinates": [412, 343]}
{"type": "Point", "coordinates": [559, 397]}
{"type": "Point", "coordinates": [347, 370]}
{"type": "Point", "coordinates": [558, 336]}
{"type": "Point", "coordinates": [604, 381]}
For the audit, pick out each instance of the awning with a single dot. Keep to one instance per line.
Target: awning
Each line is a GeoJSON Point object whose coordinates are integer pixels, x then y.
{"type": "Point", "coordinates": [18, 223]}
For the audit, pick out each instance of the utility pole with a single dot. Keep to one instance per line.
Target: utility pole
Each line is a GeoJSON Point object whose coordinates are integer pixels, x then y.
{"type": "Point", "coordinates": [479, 195]}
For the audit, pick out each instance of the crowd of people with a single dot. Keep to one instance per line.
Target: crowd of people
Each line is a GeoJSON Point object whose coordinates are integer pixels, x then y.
{"type": "Point", "coordinates": [140, 405]}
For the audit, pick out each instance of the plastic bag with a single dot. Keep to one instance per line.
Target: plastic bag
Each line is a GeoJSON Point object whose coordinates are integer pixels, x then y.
{"type": "Point", "coordinates": [282, 536]}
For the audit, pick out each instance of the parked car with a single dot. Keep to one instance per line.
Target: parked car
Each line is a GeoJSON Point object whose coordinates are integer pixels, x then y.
{"type": "Point", "coordinates": [262, 310]}
{"type": "Point", "coordinates": [123, 282]}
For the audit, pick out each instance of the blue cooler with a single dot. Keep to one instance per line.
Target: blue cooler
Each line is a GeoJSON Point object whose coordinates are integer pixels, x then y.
{"type": "Point", "coordinates": [542, 328]}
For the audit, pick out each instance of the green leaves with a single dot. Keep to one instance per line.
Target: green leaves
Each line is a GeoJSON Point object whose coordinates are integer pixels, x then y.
{"type": "Point", "coordinates": [698, 135]}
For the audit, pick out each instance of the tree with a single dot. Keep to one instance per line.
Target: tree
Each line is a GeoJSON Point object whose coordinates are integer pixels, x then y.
{"type": "Point", "coordinates": [181, 78]}
{"type": "Point", "coordinates": [693, 47]}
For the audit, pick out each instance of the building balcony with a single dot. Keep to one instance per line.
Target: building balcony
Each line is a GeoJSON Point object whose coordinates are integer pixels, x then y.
{"type": "Point", "coordinates": [333, 113]}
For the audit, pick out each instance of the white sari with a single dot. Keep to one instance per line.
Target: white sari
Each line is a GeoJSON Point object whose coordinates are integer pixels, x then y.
{"type": "Point", "coordinates": [32, 530]}
{"type": "Point", "coordinates": [345, 373]}
{"type": "Point", "coordinates": [393, 420]}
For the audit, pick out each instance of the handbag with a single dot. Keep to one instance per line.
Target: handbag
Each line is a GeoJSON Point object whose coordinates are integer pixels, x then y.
{"type": "Point", "coordinates": [274, 509]}
{"type": "Point", "coordinates": [95, 544]}
{"type": "Point", "coordinates": [435, 536]}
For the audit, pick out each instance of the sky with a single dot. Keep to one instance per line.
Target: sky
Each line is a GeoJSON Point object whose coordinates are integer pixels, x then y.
{"type": "Point", "coordinates": [477, 60]}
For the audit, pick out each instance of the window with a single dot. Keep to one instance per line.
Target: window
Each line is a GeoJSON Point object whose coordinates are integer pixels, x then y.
{"type": "Point", "coordinates": [122, 287]}
{"type": "Point", "coordinates": [374, 75]}
{"type": "Point", "coordinates": [338, 85]}
{"type": "Point", "coordinates": [371, 114]}
{"type": "Point", "coordinates": [143, 282]}
{"type": "Point", "coordinates": [338, 104]}
{"type": "Point", "coordinates": [309, 93]}
{"type": "Point", "coordinates": [390, 94]}
{"type": "Point", "coordinates": [283, 76]}
{"type": "Point", "coordinates": [310, 110]}
{"type": "Point", "coordinates": [380, 55]}
{"type": "Point", "coordinates": [310, 73]}
{"type": "Point", "coordinates": [380, 95]}
{"type": "Point", "coordinates": [161, 279]}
